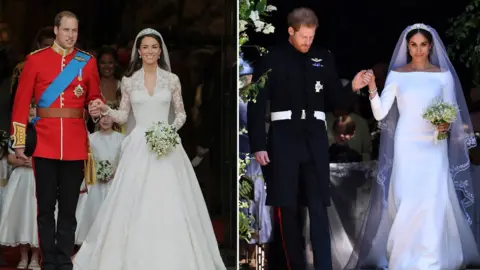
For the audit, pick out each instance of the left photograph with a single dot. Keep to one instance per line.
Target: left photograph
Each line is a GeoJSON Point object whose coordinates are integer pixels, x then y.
{"type": "Point", "coordinates": [118, 135]}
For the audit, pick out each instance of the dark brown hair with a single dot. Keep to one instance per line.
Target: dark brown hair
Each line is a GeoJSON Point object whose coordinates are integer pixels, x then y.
{"type": "Point", "coordinates": [344, 125]}
{"type": "Point", "coordinates": [61, 15]}
{"type": "Point", "coordinates": [137, 63]}
{"type": "Point", "coordinates": [302, 17]}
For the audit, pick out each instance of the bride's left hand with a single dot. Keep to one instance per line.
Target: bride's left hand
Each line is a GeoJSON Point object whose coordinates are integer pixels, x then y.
{"type": "Point", "coordinates": [442, 128]}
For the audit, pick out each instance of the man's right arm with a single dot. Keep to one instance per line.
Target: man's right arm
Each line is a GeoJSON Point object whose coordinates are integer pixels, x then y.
{"type": "Point", "coordinates": [256, 110]}
{"type": "Point", "coordinates": [21, 104]}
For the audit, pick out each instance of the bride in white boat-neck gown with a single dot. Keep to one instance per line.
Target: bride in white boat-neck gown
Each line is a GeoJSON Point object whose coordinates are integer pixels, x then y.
{"type": "Point", "coordinates": [154, 216]}
{"type": "Point", "coordinates": [426, 225]}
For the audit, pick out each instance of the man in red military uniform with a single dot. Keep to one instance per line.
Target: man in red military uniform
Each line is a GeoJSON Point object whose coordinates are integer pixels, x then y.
{"type": "Point", "coordinates": [63, 81]}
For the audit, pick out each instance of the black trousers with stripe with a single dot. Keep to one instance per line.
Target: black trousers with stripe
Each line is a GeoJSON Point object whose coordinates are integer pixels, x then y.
{"type": "Point", "coordinates": [57, 180]}
{"type": "Point", "coordinates": [287, 251]}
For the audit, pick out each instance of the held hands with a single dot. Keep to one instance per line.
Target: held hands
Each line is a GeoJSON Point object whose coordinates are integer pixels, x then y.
{"type": "Point", "coordinates": [262, 157]}
{"type": "Point", "coordinates": [20, 154]}
{"type": "Point", "coordinates": [28, 162]}
{"type": "Point", "coordinates": [359, 81]}
{"type": "Point", "coordinates": [362, 79]}
{"type": "Point", "coordinates": [96, 108]}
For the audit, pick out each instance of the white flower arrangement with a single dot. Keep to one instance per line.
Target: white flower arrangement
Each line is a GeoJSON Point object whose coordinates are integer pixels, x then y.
{"type": "Point", "coordinates": [440, 112]}
{"type": "Point", "coordinates": [105, 171]}
{"type": "Point", "coordinates": [162, 139]}
{"type": "Point", "coordinates": [251, 18]}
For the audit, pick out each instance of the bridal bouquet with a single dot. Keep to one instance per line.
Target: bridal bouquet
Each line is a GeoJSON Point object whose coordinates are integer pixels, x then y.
{"type": "Point", "coordinates": [104, 171]}
{"type": "Point", "coordinates": [162, 138]}
{"type": "Point", "coordinates": [440, 112]}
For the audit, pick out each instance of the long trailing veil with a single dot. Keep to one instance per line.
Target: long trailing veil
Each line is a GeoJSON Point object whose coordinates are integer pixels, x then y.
{"type": "Point", "coordinates": [135, 55]}
{"type": "Point", "coordinates": [370, 244]}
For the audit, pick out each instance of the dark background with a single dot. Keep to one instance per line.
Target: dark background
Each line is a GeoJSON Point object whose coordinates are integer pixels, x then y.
{"type": "Point", "coordinates": [361, 33]}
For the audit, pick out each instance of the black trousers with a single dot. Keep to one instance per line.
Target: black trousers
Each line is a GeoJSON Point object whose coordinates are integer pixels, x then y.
{"type": "Point", "coordinates": [287, 251]}
{"type": "Point", "coordinates": [57, 180]}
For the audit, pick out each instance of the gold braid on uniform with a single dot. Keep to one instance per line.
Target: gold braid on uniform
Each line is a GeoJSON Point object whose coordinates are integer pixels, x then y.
{"type": "Point", "coordinates": [16, 74]}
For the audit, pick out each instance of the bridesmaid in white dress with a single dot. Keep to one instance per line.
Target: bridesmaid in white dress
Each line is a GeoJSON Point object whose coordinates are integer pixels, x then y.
{"type": "Point", "coordinates": [105, 145]}
{"type": "Point", "coordinates": [428, 227]}
{"type": "Point", "coordinates": [18, 220]}
{"type": "Point", "coordinates": [154, 215]}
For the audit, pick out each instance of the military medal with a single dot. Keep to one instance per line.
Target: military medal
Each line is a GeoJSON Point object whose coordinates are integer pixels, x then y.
{"type": "Point", "coordinates": [316, 62]}
{"type": "Point", "coordinates": [78, 91]}
{"type": "Point", "coordinates": [80, 75]}
{"type": "Point", "coordinates": [318, 86]}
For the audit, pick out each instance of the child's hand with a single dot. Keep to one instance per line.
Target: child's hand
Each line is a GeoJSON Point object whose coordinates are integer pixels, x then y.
{"type": "Point", "coordinates": [28, 162]}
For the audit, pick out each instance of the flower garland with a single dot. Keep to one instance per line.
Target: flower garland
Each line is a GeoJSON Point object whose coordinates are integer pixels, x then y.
{"type": "Point", "coordinates": [251, 18]}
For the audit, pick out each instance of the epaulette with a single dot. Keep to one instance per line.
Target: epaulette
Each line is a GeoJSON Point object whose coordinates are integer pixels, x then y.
{"type": "Point", "coordinates": [85, 52]}
{"type": "Point", "coordinates": [19, 66]}
{"type": "Point", "coordinates": [39, 50]}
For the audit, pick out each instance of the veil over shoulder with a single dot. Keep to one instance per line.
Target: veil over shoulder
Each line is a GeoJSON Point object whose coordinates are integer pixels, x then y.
{"type": "Point", "coordinates": [154, 215]}
{"type": "Point", "coordinates": [369, 244]}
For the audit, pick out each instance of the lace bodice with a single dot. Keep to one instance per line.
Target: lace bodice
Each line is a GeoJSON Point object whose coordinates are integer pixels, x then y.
{"type": "Point", "coordinates": [149, 109]}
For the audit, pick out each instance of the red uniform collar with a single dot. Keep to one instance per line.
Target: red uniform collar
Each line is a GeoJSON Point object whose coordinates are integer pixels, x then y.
{"type": "Point", "coordinates": [63, 52]}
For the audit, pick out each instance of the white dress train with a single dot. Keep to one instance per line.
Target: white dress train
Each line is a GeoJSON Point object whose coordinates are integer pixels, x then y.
{"type": "Point", "coordinates": [154, 216]}
{"type": "Point", "coordinates": [428, 230]}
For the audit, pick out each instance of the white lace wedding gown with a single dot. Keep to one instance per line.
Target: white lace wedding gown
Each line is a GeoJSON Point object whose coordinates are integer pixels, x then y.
{"type": "Point", "coordinates": [154, 215]}
{"type": "Point", "coordinates": [428, 228]}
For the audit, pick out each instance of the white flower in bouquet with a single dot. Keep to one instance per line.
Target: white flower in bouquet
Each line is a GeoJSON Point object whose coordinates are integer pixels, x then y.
{"type": "Point", "coordinates": [104, 170]}
{"type": "Point", "coordinates": [440, 112]}
{"type": "Point", "coordinates": [162, 138]}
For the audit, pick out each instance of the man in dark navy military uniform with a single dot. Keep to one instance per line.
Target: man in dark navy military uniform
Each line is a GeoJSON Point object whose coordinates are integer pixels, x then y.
{"type": "Point", "coordinates": [301, 81]}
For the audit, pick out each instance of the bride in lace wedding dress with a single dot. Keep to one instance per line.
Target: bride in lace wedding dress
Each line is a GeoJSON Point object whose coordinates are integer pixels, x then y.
{"type": "Point", "coordinates": [154, 216]}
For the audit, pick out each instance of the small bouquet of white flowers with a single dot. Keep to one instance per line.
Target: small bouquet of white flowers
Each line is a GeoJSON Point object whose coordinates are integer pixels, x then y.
{"type": "Point", "coordinates": [104, 170]}
{"type": "Point", "coordinates": [440, 112]}
{"type": "Point", "coordinates": [162, 138]}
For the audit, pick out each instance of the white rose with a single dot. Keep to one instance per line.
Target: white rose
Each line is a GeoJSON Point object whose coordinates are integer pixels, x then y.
{"type": "Point", "coordinates": [259, 26]}
{"type": "Point", "coordinates": [254, 16]}
{"type": "Point", "coordinates": [242, 25]}
{"type": "Point", "coordinates": [269, 28]}
{"type": "Point", "coordinates": [270, 8]}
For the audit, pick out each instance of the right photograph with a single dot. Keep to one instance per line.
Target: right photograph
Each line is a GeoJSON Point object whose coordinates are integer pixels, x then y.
{"type": "Point", "coordinates": [358, 136]}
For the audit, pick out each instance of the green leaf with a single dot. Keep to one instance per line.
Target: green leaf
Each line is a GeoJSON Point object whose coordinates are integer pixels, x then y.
{"type": "Point", "coordinates": [261, 6]}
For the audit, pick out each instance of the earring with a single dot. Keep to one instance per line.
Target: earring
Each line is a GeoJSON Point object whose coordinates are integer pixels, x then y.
{"type": "Point", "coordinates": [140, 56]}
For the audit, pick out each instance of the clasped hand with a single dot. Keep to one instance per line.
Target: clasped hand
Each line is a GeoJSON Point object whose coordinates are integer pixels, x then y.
{"type": "Point", "coordinates": [362, 79]}
{"type": "Point", "coordinates": [96, 108]}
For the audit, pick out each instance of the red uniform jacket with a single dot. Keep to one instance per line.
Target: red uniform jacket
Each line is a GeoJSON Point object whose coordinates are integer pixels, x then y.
{"type": "Point", "coordinates": [57, 138]}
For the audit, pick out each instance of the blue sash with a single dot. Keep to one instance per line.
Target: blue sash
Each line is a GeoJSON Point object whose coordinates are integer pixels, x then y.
{"type": "Point", "coordinates": [63, 80]}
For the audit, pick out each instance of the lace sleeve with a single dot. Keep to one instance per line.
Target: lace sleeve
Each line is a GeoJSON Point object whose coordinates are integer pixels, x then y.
{"type": "Point", "coordinates": [120, 116]}
{"type": "Point", "coordinates": [177, 102]}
